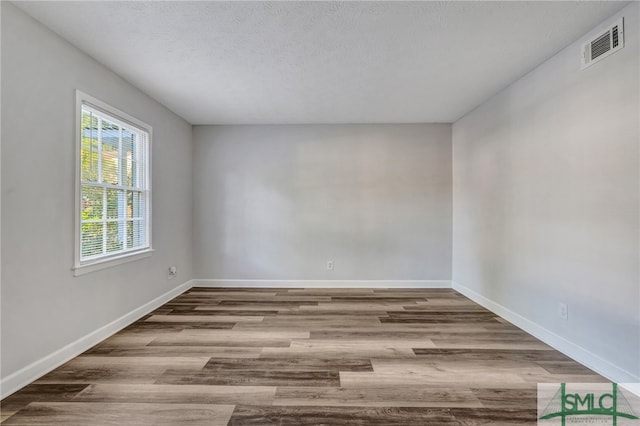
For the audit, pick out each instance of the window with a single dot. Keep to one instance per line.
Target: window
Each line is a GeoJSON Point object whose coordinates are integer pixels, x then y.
{"type": "Point", "coordinates": [114, 192]}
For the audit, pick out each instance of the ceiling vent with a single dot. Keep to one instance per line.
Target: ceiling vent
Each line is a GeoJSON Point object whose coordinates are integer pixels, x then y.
{"type": "Point", "coordinates": [603, 44]}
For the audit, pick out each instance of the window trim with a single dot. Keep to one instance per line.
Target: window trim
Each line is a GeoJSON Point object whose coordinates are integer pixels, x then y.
{"type": "Point", "coordinates": [107, 261]}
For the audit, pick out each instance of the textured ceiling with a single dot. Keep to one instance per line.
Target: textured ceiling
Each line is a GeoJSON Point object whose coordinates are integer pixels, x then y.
{"type": "Point", "coordinates": [320, 62]}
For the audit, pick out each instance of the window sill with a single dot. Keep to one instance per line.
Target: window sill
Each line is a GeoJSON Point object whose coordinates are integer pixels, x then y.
{"type": "Point", "coordinates": [113, 261]}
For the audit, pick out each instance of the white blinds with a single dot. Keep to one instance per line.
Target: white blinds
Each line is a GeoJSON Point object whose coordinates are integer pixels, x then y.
{"type": "Point", "coordinates": [114, 185]}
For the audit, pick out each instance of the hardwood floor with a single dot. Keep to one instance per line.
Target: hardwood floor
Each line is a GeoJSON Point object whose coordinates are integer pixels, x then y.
{"type": "Point", "coordinates": [303, 356]}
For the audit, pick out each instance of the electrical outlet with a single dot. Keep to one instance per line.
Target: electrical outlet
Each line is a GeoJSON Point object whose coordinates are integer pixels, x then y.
{"type": "Point", "coordinates": [173, 271]}
{"type": "Point", "coordinates": [330, 265]}
{"type": "Point", "coordinates": [563, 311]}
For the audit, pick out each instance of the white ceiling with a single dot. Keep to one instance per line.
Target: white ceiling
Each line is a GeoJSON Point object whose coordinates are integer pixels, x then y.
{"type": "Point", "coordinates": [320, 62]}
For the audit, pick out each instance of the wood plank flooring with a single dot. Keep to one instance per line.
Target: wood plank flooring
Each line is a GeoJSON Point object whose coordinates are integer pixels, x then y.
{"type": "Point", "coordinates": [303, 357]}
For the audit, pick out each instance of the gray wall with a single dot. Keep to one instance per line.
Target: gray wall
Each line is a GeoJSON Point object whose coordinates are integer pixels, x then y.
{"type": "Point", "coordinates": [277, 202]}
{"type": "Point", "coordinates": [44, 307]}
{"type": "Point", "coordinates": [546, 196]}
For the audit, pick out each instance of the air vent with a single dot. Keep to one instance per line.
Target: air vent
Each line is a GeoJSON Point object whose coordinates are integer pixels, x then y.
{"type": "Point", "coordinates": [604, 44]}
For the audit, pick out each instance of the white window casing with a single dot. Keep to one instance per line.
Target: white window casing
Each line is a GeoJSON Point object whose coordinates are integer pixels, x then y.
{"type": "Point", "coordinates": [113, 186]}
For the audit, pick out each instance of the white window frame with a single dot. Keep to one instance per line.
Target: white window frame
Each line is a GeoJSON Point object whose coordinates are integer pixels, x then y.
{"type": "Point", "coordinates": [82, 267]}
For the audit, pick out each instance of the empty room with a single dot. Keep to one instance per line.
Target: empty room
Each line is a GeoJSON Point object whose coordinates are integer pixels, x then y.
{"type": "Point", "coordinates": [307, 213]}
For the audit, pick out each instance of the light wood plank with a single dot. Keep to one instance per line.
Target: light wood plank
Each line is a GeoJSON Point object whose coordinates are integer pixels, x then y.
{"type": "Point", "coordinates": [175, 394]}
{"type": "Point", "coordinates": [117, 414]}
{"type": "Point", "coordinates": [204, 318]}
{"type": "Point", "coordinates": [408, 396]}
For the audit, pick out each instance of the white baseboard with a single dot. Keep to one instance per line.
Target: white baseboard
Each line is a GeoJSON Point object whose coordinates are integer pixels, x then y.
{"type": "Point", "coordinates": [322, 283]}
{"type": "Point", "coordinates": [572, 350]}
{"type": "Point", "coordinates": [39, 368]}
